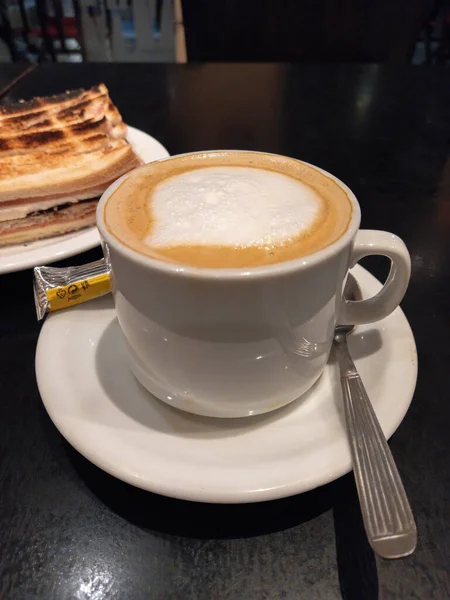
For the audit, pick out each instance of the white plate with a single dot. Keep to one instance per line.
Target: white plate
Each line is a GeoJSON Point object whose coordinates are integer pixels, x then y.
{"type": "Point", "coordinates": [98, 406]}
{"type": "Point", "coordinates": [43, 252]}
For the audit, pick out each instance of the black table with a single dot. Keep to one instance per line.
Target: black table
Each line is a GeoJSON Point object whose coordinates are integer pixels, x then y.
{"type": "Point", "coordinates": [9, 75]}
{"type": "Point", "coordinates": [68, 530]}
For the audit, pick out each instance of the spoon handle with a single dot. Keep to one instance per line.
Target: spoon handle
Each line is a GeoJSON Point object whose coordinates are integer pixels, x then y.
{"type": "Point", "coordinates": [386, 512]}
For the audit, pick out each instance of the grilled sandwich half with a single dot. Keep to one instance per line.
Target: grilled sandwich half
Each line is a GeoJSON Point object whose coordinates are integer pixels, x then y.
{"type": "Point", "coordinates": [57, 155]}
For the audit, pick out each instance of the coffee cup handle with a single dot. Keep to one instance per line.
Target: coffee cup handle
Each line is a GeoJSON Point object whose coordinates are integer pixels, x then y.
{"type": "Point", "coordinates": [381, 305]}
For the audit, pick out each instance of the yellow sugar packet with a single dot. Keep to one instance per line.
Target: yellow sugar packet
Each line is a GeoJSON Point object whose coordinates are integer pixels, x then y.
{"type": "Point", "coordinates": [57, 288]}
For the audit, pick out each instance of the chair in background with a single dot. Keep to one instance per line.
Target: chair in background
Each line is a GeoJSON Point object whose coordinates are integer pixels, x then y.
{"type": "Point", "coordinates": [48, 35]}
{"type": "Point", "coordinates": [57, 29]}
{"type": "Point", "coordinates": [98, 30]}
{"type": "Point", "coordinates": [6, 32]}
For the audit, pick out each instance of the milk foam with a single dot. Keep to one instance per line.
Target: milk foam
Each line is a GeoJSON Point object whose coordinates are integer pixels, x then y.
{"type": "Point", "coordinates": [231, 206]}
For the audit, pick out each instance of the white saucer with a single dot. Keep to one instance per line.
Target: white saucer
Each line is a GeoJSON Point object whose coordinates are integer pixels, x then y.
{"type": "Point", "coordinates": [43, 252]}
{"type": "Point", "coordinates": [98, 406]}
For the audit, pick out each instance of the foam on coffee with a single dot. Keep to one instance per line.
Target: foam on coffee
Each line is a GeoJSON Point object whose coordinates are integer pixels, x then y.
{"type": "Point", "coordinates": [231, 206]}
{"type": "Point", "coordinates": [227, 209]}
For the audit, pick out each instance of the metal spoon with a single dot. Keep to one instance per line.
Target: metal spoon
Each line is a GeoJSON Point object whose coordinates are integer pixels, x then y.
{"type": "Point", "coordinates": [386, 512]}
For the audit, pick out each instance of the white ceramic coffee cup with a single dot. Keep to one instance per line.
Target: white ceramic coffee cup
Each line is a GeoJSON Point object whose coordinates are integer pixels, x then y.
{"type": "Point", "coordinates": [239, 342]}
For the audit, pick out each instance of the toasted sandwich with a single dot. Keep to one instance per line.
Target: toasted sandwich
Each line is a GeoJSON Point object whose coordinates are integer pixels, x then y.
{"type": "Point", "coordinates": [55, 152]}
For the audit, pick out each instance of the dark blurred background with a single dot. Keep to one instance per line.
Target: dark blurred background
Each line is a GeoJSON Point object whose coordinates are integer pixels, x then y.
{"type": "Point", "coordinates": [369, 31]}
